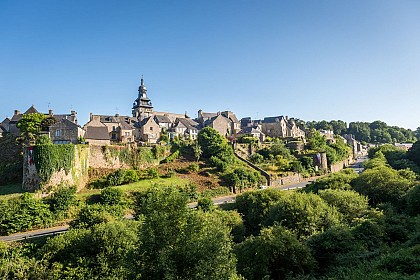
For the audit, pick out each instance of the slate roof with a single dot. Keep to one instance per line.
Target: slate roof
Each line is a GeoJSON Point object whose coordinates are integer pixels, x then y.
{"type": "Point", "coordinates": [31, 110]}
{"type": "Point", "coordinates": [70, 117]}
{"type": "Point", "coordinates": [188, 123]}
{"type": "Point", "coordinates": [65, 122]}
{"type": "Point", "coordinates": [162, 119]}
{"type": "Point", "coordinates": [272, 119]}
{"type": "Point", "coordinates": [97, 133]}
{"type": "Point", "coordinates": [208, 115]}
{"type": "Point", "coordinates": [230, 115]}
{"type": "Point", "coordinates": [126, 126]}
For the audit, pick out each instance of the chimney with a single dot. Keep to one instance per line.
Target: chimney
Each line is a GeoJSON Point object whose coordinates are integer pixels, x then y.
{"type": "Point", "coordinates": [73, 113]}
{"type": "Point", "coordinates": [17, 112]}
{"type": "Point", "coordinates": [91, 116]}
{"type": "Point", "coordinates": [50, 112]}
{"type": "Point", "coordinates": [117, 115]}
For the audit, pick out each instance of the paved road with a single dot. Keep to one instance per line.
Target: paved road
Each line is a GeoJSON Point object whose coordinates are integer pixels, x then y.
{"type": "Point", "coordinates": [217, 201]}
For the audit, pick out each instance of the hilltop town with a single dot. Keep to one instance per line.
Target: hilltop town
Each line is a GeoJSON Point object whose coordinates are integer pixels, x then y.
{"type": "Point", "coordinates": [145, 126]}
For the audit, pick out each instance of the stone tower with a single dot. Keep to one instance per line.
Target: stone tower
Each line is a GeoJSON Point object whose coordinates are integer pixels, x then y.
{"type": "Point", "coordinates": [142, 106]}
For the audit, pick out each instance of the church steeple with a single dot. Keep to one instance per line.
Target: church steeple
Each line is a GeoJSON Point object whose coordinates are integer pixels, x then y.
{"type": "Point", "coordinates": [142, 105]}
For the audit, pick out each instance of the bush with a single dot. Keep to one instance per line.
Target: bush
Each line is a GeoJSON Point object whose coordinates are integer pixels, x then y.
{"type": "Point", "coordinates": [349, 203]}
{"type": "Point", "coordinates": [112, 196]}
{"type": "Point", "coordinates": [275, 254]}
{"type": "Point", "coordinates": [219, 164]}
{"type": "Point", "coordinates": [62, 199]}
{"type": "Point", "coordinates": [304, 214]}
{"type": "Point", "coordinates": [152, 173]}
{"type": "Point", "coordinates": [256, 158]}
{"type": "Point", "coordinates": [205, 204]}
{"type": "Point", "coordinates": [22, 213]}
{"type": "Point", "coordinates": [194, 167]}
{"type": "Point", "coordinates": [91, 215]}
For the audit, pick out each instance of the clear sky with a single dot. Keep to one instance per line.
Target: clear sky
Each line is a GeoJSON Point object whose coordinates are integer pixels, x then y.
{"type": "Point", "coordinates": [313, 60]}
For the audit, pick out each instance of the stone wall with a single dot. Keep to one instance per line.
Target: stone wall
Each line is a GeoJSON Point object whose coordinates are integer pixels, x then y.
{"type": "Point", "coordinates": [335, 167]}
{"type": "Point", "coordinates": [76, 176]}
{"type": "Point", "coordinates": [101, 157]}
{"type": "Point", "coordinates": [104, 158]}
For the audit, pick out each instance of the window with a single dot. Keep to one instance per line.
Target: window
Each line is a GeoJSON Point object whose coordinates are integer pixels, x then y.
{"type": "Point", "coordinates": [127, 133]}
{"type": "Point", "coordinates": [151, 128]}
{"type": "Point", "coordinates": [113, 136]}
{"type": "Point", "coordinates": [57, 133]}
{"type": "Point", "coordinates": [113, 128]}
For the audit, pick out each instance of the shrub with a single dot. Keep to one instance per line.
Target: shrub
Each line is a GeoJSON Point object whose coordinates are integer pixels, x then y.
{"type": "Point", "coordinates": [24, 212]}
{"type": "Point", "coordinates": [91, 215]}
{"type": "Point", "coordinates": [112, 196]}
{"type": "Point", "coordinates": [304, 214]}
{"type": "Point", "coordinates": [256, 158]}
{"type": "Point", "coordinates": [194, 167]}
{"type": "Point", "coordinates": [62, 199]}
{"type": "Point", "coordinates": [219, 164]}
{"type": "Point", "coordinates": [152, 173]}
{"type": "Point", "coordinates": [205, 204]}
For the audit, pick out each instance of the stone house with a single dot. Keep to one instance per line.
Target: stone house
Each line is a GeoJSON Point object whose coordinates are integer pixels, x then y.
{"type": "Point", "coordinates": [254, 132]}
{"type": "Point", "coordinates": [225, 122]}
{"type": "Point", "coordinates": [163, 121]}
{"type": "Point", "coordinates": [185, 128]}
{"type": "Point", "coordinates": [120, 128]}
{"type": "Point", "coordinates": [281, 127]}
{"type": "Point", "coordinates": [97, 135]}
{"type": "Point", "coordinates": [65, 131]}
{"type": "Point", "coordinates": [149, 130]}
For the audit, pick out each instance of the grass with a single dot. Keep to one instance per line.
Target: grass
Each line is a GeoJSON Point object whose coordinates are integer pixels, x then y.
{"type": "Point", "coordinates": [11, 189]}
{"type": "Point", "coordinates": [138, 186]}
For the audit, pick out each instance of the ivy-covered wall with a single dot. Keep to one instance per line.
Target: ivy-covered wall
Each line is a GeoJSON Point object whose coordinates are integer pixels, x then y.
{"type": "Point", "coordinates": [48, 166]}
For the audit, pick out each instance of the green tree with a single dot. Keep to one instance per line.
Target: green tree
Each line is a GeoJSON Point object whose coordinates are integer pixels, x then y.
{"type": "Point", "coordinates": [303, 213]}
{"type": "Point", "coordinates": [414, 153]}
{"type": "Point", "coordinates": [104, 251]}
{"type": "Point", "coordinates": [413, 201]}
{"type": "Point", "coordinates": [254, 207]}
{"type": "Point", "coordinates": [382, 184]}
{"type": "Point", "coordinates": [30, 126]}
{"type": "Point", "coordinates": [177, 243]}
{"type": "Point", "coordinates": [336, 181]}
{"type": "Point", "coordinates": [349, 203]}
{"type": "Point", "coordinates": [211, 142]}
{"type": "Point", "coordinates": [275, 254]}
{"type": "Point", "coordinates": [197, 151]}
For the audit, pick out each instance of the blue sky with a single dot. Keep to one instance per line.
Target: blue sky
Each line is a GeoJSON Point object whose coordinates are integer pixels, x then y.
{"type": "Point", "coordinates": [313, 60]}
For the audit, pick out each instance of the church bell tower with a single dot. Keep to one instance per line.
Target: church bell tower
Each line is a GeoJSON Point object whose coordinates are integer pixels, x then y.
{"type": "Point", "coordinates": [142, 106]}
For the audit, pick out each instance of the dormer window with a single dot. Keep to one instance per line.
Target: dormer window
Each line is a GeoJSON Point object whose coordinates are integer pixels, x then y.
{"type": "Point", "coordinates": [57, 133]}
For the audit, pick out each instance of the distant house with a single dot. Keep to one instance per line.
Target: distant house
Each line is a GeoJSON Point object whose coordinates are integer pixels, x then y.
{"type": "Point", "coordinates": [281, 127]}
{"type": "Point", "coordinates": [163, 121]}
{"type": "Point", "coordinates": [254, 132]}
{"type": "Point", "coordinates": [4, 127]}
{"type": "Point", "coordinates": [185, 128]}
{"type": "Point", "coordinates": [149, 130]}
{"type": "Point", "coordinates": [65, 131]}
{"type": "Point", "coordinates": [225, 122]}
{"type": "Point", "coordinates": [97, 135]}
{"type": "Point", "coordinates": [120, 128]}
